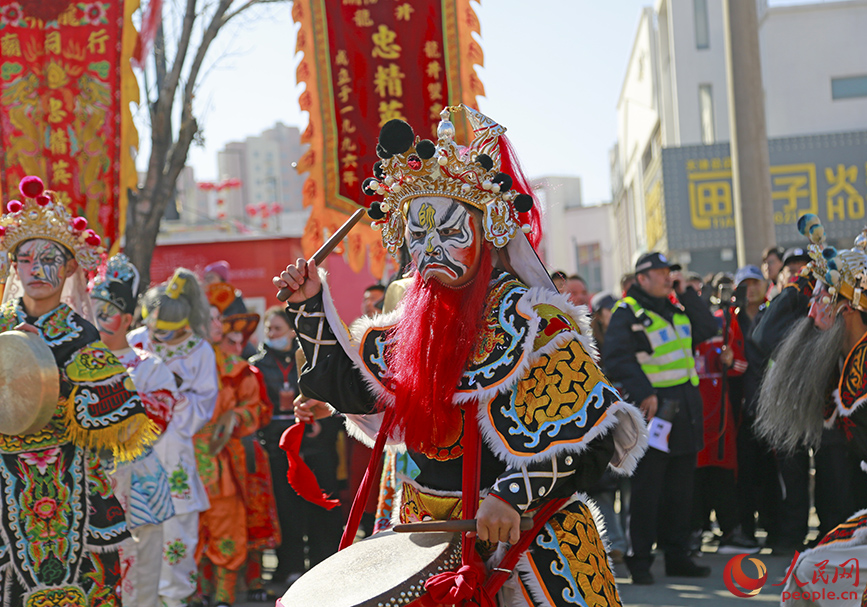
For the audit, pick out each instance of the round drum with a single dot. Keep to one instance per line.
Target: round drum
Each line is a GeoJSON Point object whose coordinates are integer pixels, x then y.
{"type": "Point", "coordinates": [29, 383]}
{"type": "Point", "coordinates": [385, 569]}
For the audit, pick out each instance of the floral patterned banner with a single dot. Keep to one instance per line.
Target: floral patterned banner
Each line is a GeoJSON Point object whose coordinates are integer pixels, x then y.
{"type": "Point", "coordinates": [366, 62]}
{"type": "Point", "coordinates": [65, 90]}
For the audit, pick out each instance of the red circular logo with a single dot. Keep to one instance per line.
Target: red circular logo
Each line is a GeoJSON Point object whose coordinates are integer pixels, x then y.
{"type": "Point", "coordinates": [738, 582]}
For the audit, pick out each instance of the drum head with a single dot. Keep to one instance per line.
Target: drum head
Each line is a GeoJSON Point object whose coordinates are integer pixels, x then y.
{"type": "Point", "coordinates": [385, 568]}
{"type": "Point", "coordinates": [29, 383]}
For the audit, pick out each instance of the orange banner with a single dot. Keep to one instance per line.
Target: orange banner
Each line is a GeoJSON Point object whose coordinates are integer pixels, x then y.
{"type": "Point", "coordinates": [366, 62]}
{"type": "Point", "coordinates": [65, 90]}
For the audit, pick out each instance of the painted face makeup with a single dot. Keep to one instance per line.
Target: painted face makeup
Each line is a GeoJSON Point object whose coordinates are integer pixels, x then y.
{"type": "Point", "coordinates": [109, 318]}
{"type": "Point", "coordinates": [41, 266]}
{"type": "Point", "coordinates": [443, 240]}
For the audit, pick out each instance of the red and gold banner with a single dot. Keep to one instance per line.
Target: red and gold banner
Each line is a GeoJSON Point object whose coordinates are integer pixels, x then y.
{"type": "Point", "coordinates": [65, 90]}
{"type": "Point", "coordinates": [366, 62]}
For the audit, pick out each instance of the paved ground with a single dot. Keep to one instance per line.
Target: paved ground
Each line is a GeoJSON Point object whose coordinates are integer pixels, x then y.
{"type": "Point", "coordinates": [685, 592]}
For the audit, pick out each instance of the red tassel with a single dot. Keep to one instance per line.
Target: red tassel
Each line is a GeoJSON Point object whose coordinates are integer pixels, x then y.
{"type": "Point", "coordinates": [300, 475]}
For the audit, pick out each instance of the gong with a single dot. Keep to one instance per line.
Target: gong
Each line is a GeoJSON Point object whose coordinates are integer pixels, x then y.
{"type": "Point", "coordinates": [29, 383]}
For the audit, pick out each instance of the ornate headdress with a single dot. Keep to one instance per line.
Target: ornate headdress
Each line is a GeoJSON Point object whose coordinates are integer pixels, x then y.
{"type": "Point", "coordinates": [411, 168]}
{"type": "Point", "coordinates": [41, 215]}
{"type": "Point", "coordinates": [845, 271]}
{"type": "Point", "coordinates": [119, 286]}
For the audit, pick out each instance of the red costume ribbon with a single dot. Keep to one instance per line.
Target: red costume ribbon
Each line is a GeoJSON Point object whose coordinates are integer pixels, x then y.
{"type": "Point", "coordinates": [455, 587]}
{"type": "Point", "coordinates": [300, 476]}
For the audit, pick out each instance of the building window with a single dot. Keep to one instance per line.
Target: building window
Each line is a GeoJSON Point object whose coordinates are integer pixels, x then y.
{"type": "Point", "coordinates": [705, 108]}
{"type": "Point", "coordinates": [702, 27]}
{"type": "Point", "coordinates": [589, 262]}
{"type": "Point", "coordinates": [847, 88]}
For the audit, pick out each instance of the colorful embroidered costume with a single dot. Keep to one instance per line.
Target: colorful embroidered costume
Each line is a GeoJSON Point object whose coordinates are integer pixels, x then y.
{"type": "Point", "coordinates": [193, 364]}
{"type": "Point", "coordinates": [550, 420]}
{"type": "Point", "coordinates": [61, 524]}
{"type": "Point", "coordinates": [223, 469]}
{"type": "Point", "coordinates": [142, 486]}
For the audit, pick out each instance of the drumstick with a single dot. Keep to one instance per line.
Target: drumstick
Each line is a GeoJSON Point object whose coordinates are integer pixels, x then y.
{"type": "Point", "coordinates": [327, 247]}
{"type": "Point", "coordinates": [454, 525]}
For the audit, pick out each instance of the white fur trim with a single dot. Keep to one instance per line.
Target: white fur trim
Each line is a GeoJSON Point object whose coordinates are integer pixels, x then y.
{"type": "Point", "coordinates": [844, 411]}
{"type": "Point", "coordinates": [859, 538]}
{"type": "Point", "coordinates": [630, 440]}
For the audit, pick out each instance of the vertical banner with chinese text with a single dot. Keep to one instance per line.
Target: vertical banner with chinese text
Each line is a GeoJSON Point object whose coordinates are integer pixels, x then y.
{"type": "Point", "coordinates": [65, 90]}
{"type": "Point", "coordinates": [366, 62]}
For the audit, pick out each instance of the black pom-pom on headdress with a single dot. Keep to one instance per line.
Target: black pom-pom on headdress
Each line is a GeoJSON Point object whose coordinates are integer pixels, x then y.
{"type": "Point", "coordinates": [504, 180]}
{"type": "Point", "coordinates": [377, 170]}
{"type": "Point", "coordinates": [485, 161]}
{"type": "Point", "coordinates": [374, 212]}
{"type": "Point", "coordinates": [396, 137]}
{"type": "Point", "coordinates": [425, 149]}
{"type": "Point", "coordinates": [382, 152]}
{"type": "Point", "coordinates": [523, 203]}
{"type": "Point", "coordinates": [365, 186]}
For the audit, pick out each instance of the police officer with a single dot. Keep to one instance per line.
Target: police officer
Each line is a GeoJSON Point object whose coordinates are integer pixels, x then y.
{"type": "Point", "coordinates": [648, 353]}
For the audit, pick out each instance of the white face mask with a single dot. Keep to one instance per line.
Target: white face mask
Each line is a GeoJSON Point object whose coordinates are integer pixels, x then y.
{"type": "Point", "coordinates": [442, 238]}
{"type": "Point", "coordinates": [279, 343]}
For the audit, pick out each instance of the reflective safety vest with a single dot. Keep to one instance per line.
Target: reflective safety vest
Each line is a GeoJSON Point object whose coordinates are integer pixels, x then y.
{"type": "Point", "coordinates": [671, 363]}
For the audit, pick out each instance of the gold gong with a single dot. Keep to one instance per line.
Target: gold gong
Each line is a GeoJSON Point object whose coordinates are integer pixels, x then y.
{"type": "Point", "coordinates": [29, 383]}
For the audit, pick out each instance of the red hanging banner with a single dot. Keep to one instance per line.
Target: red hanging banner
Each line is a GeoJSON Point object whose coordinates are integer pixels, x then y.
{"type": "Point", "coordinates": [366, 62]}
{"type": "Point", "coordinates": [65, 89]}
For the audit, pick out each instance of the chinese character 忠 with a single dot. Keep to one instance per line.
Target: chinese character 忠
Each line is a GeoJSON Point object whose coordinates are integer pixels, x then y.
{"type": "Point", "coordinates": [384, 45]}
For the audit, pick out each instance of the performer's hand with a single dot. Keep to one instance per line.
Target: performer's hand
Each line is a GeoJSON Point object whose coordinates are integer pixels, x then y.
{"type": "Point", "coordinates": [648, 406]}
{"type": "Point", "coordinates": [310, 409]}
{"type": "Point", "coordinates": [302, 279]}
{"type": "Point", "coordinates": [497, 521]}
{"type": "Point", "coordinates": [27, 328]}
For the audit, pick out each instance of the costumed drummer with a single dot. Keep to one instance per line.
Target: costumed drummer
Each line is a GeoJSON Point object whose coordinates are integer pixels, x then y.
{"type": "Point", "coordinates": [61, 523]}
{"type": "Point", "coordinates": [818, 380]}
{"type": "Point", "coordinates": [142, 486]}
{"type": "Point", "coordinates": [481, 341]}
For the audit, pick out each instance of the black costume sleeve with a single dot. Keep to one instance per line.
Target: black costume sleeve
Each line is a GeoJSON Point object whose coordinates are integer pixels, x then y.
{"type": "Point", "coordinates": [329, 374]}
{"type": "Point", "coordinates": [524, 487]}
{"type": "Point", "coordinates": [703, 323]}
{"type": "Point", "coordinates": [778, 318]}
{"type": "Point", "coordinates": [618, 355]}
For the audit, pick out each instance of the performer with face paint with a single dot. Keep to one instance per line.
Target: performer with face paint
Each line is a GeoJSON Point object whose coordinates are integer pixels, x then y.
{"type": "Point", "coordinates": [142, 486]}
{"type": "Point", "coordinates": [485, 373]}
{"type": "Point", "coordinates": [176, 330]}
{"type": "Point", "coordinates": [60, 523]}
{"type": "Point", "coordinates": [818, 380]}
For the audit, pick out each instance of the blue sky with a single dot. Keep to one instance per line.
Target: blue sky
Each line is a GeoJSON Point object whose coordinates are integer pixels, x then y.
{"type": "Point", "coordinates": [553, 71]}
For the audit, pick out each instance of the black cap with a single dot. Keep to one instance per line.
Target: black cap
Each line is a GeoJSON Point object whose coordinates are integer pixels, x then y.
{"type": "Point", "coordinates": [795, 254]}
{"type": "Point", "coordinates": [653, 260]}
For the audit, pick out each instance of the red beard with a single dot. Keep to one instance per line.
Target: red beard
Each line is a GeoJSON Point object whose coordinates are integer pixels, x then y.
{"type": "Point", "coordinates": [434, 339]}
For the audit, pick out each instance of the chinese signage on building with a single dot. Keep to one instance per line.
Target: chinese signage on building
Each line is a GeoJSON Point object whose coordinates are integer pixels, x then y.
{"type": "Point", "coordinates": [821, 174]}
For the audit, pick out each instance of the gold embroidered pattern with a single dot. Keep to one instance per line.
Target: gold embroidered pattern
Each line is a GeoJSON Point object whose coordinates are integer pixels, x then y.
{"type": "Point", "coordinates": [553, 322]}
{"type": "Point", "coordinates": [556, 386]}
{"type": "Point", "coordinates": [68, 596]}
{"type": "Point", "coordinates": [584, 552]}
